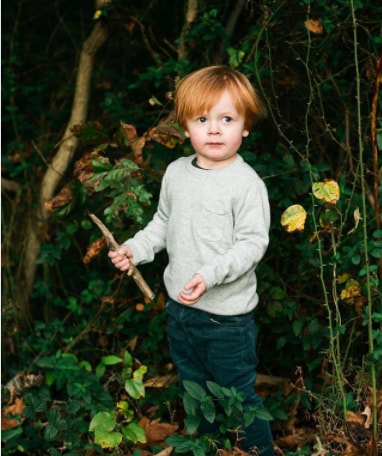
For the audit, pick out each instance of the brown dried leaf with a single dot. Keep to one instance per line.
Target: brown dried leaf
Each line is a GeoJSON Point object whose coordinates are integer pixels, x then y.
{"type": "Point", "coordinates": [357, 219]}
{"type": "Point", "coordinates": [62, 199]}
{"type": "Point", "coordinates": [321, 451]}
{"type": "Point", "coordinates": [167, 132]}
{"type": "Point", "coordinates": [22, 381]}
{"type": "Point", "coordinates": [352, 417]}
{"type": "Point", "coordinates": [12, 410]}
{"type": "Point", "coordinates": [94, 249]}
{"type": "Point", "coordinates": [132, 139]}
{"type": "Point", "coordinates": [298, 439]}
{"type": "Point", "coordinates": [161, 301]}
{"type": "Point", "coordinates": [156, 432]}
{"type": "Point", "coordinates": [83, 169]}
{"type": "Point", "coordinates": [314, 26]}
{"type": "Point", "coordinates": [369, 417]}
{"type": "Point", "coordinates": [161, 381]}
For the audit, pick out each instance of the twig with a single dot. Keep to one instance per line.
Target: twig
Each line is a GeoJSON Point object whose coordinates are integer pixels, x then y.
{"type": "Point", "coordinates": [166, 452]}
{"type": "Point", "coordinates": [133, 271]}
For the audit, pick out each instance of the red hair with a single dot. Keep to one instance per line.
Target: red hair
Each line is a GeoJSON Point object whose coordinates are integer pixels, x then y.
{"type": "Point", "coordinates": [197, 92]}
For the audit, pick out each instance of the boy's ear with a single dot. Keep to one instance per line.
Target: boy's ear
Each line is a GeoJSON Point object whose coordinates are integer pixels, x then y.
{"type": "Point", "coordinates": [245, 133]}
{"type": "Point", "coordinates": [186, 134]}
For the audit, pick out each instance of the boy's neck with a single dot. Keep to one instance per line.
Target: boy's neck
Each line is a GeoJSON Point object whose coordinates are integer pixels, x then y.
{"type": "Point", "coordinates": [195, 163]}
{"type": "Point", "coordinates": [214, 165]}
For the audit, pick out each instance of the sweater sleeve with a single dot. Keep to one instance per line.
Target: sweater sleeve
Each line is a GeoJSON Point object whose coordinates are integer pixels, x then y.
{"type": "Point", "coordinates": [152, 239]}
{"type": "Point", "coordinates": [250, 240]}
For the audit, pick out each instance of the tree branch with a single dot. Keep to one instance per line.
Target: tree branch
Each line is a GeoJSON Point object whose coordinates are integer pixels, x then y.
{"type": "Point", "coordinates": [112, 244]}
{"type": "Point", "coordinates": [190, 16]}
{"type": "Point", "coordinates": [64, 155]}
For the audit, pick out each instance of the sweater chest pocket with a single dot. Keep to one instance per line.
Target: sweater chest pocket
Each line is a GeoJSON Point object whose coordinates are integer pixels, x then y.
{"type": "Point", "coordinates": [212, 223]}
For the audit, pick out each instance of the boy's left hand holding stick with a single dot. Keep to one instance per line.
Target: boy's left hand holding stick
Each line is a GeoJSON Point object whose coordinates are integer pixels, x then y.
{"type": "Point", "coordinates": [132, 270]}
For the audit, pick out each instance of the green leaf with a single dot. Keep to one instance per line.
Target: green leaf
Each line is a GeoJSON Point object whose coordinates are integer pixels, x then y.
{"type": "Point", "coordinates": [215, 389]}
{"type": "Point", "coordinates": [135, 388]}
{"type": "Point", "coordinates": [102, 421]}
{"type": "Point", "coordinates": [101, 164]}
{"type": "Point", "coordinates": [72, 407]}
{"type": "Point", "coordinates": [190, 404]}
{"type": "Point", "coordinates": [50, 378]}
{"type": "Point", "coordinates": [297, 327]}
{"type": "Point", "coordinates": [100, 370]}
{"type": "Point", "coordinates": [254, 412]}
{"type": "Point", "coordinates": [194, 389]}
{"type": "Point", "coordinates": [274, 309]}
{"type": "Point", "coordinates": [50, 431]}
{"type": "Point", "coordinates": [111, 360]}
{"type": "Point", "coordinates": [11, 433]}
{"type": "Point", "coordinates": [277, 293]}
{"type": "Point", "coordinates": [208, 409]}
{"type": "Point", "coordinates": [134, 433]}
{"type": "Point", "coordinates": [377, 234]}
{"type": "Point", "coordinates": [107, 439]}
{"type": "Point", "coordinates": [192, 423]}
{"type": "Point", "coordinates": [181, 443]}
{"type": "Point", "coordinates": [140, 372]}
{"type": "Point", "coordinates": [127, 359]}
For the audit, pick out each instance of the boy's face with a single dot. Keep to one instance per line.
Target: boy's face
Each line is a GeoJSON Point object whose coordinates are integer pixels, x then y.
{"type": "Point", "coordinates": [216, 135]}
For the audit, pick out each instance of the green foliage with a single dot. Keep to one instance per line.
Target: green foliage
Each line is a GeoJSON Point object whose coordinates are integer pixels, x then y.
{"type": "Point", "coordinates": [127, 193]}
{"type": "Point", "coordinates": [73, 402]}
{"type": "Point", "coordinates": [223, 406]}
{"type": "Point", "coordinates": [112, 427]}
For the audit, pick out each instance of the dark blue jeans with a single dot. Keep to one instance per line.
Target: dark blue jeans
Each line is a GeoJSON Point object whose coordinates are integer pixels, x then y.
{"type": "Point", "coordinates": [221, 349]}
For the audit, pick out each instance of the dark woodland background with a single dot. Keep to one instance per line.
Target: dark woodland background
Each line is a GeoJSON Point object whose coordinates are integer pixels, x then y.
{"type": "Point", "coordinates": [87, 127]}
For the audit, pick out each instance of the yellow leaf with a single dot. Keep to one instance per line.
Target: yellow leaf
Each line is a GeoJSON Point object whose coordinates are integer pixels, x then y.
{"type": "Point", "coordinates": [327, 191]}
{"type": "Point", "coordinates": [293, 218]}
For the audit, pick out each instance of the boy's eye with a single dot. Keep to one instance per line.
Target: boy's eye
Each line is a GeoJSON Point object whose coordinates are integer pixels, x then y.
{"type": "Point", "coordinates": [227, 119]}
{"type": "Point", "coordinates": [202, 119]}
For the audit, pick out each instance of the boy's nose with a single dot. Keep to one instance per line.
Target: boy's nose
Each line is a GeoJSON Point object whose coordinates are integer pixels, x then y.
{"type": "Point", "coordinates": [213, 129]}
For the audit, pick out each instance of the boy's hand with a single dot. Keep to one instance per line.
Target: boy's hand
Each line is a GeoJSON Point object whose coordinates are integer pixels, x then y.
{"type": "Point", "coordinates": [193, 290]}
{"type": "Point", "coordinates": [121, 258]}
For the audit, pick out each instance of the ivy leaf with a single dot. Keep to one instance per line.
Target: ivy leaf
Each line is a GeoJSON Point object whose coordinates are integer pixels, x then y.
{"type": "Point", "coordinates": [293, 218]}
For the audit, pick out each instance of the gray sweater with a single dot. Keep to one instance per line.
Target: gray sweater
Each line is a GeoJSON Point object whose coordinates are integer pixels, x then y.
{"type": "Point", "coordinates": [214, 223]}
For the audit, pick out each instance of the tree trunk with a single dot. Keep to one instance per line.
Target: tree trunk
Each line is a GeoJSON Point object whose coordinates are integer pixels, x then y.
{"type": "Point", "coordinates": [62, 158]}
{"type": "Point", "coordinates": [190, 15]}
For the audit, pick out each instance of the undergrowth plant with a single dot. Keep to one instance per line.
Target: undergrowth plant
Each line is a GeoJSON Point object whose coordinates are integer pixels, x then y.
{"type": "Point", "coordinates": [346, 234]}
{"type": "Point", "coordinates": [78, 409]}
{"type": "Point", "coordinates": [222, 406]}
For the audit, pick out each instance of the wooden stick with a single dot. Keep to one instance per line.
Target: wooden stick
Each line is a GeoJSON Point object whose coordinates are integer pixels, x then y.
{"type": "Point", "coordinates": [112, 244]}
